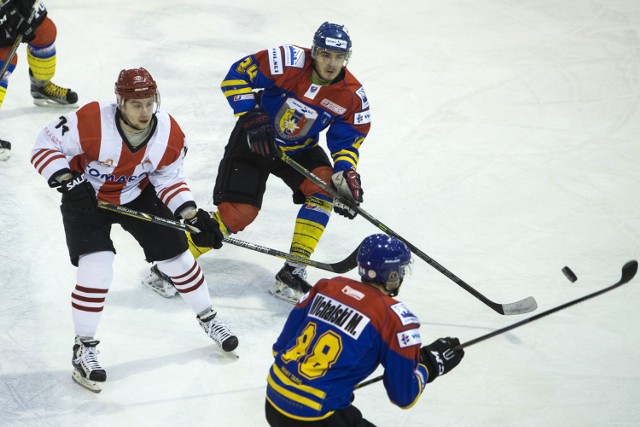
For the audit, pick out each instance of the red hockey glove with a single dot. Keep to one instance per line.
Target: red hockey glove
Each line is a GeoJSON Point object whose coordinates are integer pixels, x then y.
{"type": "Point", "coordinates": [348, 184]}
{"type": "Point", "coordinates": [261, 136]}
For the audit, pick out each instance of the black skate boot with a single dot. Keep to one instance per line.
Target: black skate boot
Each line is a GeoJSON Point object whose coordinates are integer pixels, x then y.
{"type": "Point", "coordinates": [47, 93]}
{"type": "Point", "coordinates": [217, 330]}
{"type": "Point", "coordinates": [5, 149]}
{"type": "Point", "coordinates": [291, 283]}
{"type": "Point", "coordinates": [86, 370]}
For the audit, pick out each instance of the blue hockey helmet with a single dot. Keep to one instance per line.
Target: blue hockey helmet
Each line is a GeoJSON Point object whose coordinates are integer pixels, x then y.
{"type": "Point", "coordinates": [334, 37]}
{"type": "Point", "coordinates": [383, 259]}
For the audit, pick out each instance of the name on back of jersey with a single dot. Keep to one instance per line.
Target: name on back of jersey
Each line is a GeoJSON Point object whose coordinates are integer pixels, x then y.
{"type": "Point", "coordinates": [347, 319]}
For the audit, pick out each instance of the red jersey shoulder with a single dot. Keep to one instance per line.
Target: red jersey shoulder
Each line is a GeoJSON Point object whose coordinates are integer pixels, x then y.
{"type": "Point", "coordinates": [170, 134]}
{"type": "Point", "coordinates": [89, 125]}
{"type": "Point", "coordinates": [283, 62]}
{"type": "Point", "coordinates": [176, 135]}
{"type": "Point", "coordinates": [89, 114]}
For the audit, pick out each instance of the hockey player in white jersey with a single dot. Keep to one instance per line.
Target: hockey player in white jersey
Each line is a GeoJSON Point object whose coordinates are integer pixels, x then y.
{"type": "Point", "coordinates": [128, 153]}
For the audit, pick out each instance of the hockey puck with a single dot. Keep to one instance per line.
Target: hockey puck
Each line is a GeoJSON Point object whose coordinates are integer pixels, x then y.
{"type": "Point", "coordinates": [569, 274]}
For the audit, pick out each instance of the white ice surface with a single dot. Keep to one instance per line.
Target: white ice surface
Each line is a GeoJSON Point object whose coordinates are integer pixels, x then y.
{"type": "Point", "coordinates": [504, 145]}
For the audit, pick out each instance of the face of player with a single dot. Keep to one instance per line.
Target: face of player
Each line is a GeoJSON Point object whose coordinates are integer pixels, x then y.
{"type": "Point", "coordinates": [328, 64]}
{"type": "Point", "coordinates": [139, 112]}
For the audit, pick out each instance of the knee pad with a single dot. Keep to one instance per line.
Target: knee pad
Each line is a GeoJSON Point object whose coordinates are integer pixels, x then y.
{"type": "Point", "coordinates": [308, 187]}
{"type": "Point", "coordinates": [235, 217]}
{"type": "Point", "coordinates": [45, 34]}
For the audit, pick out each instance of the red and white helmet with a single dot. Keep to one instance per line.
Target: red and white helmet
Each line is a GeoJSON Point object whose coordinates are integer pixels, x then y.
{"type": "Point", "coordinates": [136, 83]}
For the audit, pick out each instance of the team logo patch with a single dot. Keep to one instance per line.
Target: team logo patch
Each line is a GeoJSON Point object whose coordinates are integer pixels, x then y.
{"type": "Point", "coordinates": [362, 118]}
{"type": "Point", "coordinates": [348, 290]}
{"type": "Point", "coordinates": [339, 43]}
{"type": "Point", "coordinates": [409, 338]}
{"type": "Point", "coordinates": [294, 119]}
{"type": "Point", "coordinates": [330, 105]}
{"type": "Point", "coordinates": [245, 97]}
{"type": "Point", "coordinates": [293, 56]}
{"type": "Point", "coordinates": [403, 313]}
{"type": "Point", "coordinates": [275, 61]}
{"type": "Point", "coordinates": [363, 97]}
{"type": "Point", "coordinates": [312, 91]}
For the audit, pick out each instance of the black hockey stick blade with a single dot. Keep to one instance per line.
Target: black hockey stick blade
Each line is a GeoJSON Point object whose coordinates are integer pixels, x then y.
{"type": "Point", "coordinates": [347, 264]}
{"type": "Point", "coordinates": [525, 305]}
{"type": "Point", "coordinates": [629, 271]}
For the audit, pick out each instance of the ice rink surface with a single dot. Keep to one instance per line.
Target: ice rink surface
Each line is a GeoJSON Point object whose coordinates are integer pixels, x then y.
{"type": "Point", "coordinates": [504, 144]}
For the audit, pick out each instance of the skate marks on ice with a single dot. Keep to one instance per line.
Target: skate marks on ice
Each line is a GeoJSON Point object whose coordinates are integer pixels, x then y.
{"type": "Point", "coordinates": [51, 394]}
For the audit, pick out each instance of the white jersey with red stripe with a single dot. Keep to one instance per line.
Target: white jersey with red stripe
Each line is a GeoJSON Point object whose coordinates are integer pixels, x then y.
{"type": "Point", "coordinates": [89, 141]}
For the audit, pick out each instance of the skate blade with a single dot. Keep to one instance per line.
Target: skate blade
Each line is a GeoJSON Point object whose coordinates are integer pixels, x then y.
{"type": "Point", "coordinates": [282, 297]}
{"type": "Point", "coordinates": [4, 154]}
{"type": "Point", "coordinates": [93, 386]}
{"type": "Point", "coordinates": [162, 290]}
{"type": "Point", "coordinates": [41, 102]}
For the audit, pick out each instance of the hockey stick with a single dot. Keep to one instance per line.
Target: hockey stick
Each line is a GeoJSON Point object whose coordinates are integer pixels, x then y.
{"type": "Point", "coordinates": [629, 270]}
{"type": "Point", "coordinates": [347, 264]}
{"type": "Point", "coordinates": [519, 307]}
{"type": "Point", "coordinates": [17, 41]}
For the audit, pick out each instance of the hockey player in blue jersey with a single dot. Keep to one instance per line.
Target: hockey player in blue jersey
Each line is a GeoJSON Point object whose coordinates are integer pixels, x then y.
{"type": "Point", "coordinates": [338, 334]}
{"type": "Point", "coordinates": [284, 98]}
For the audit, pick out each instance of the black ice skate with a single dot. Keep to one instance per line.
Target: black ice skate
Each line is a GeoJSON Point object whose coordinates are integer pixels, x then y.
{"type": "Point", "coordinates": [159, 282]}
{"type": "Point", "coordinates": [86, 370]}
{"type": "Point", "coordinates": [5, 149]}
{"type": "Point", "coordinates": [47, 93]}
{"type": "Point", "coordinates": [217, 330]}
{"type": "Point", "coordinates": [291, 283]}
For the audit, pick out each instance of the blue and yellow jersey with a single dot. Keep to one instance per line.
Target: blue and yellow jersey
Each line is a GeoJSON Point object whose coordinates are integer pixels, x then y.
{"type": "Point", "coordinates": [333, 339]}
{"type": "Point", "coordinates": [299, 108]}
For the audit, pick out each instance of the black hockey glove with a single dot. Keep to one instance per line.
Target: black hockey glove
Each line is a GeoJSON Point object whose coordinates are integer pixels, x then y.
{"type": "Point", "coordinates": [440, 357]}
{"type": "Point", "coordinates": [261, 136]}
{"type": "Point", "coordinates": [210, 235]}
{"type": "Point", "coordinates": [78, 194]}
{"type": "Point", "coordinates": [14, 17]}
{"type": "Point", "coordinates": [27, 29]}
{"type": "Point", "coordinates": [10, 20]}
{"type": "Point", "coordinates": [348, 185]}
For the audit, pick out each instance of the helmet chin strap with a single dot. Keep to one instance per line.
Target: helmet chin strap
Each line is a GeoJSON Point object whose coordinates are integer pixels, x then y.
{"type": "Point", "coordinates": [393, 287]}
{"type": "Point", "coordinates": [126, 121]}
